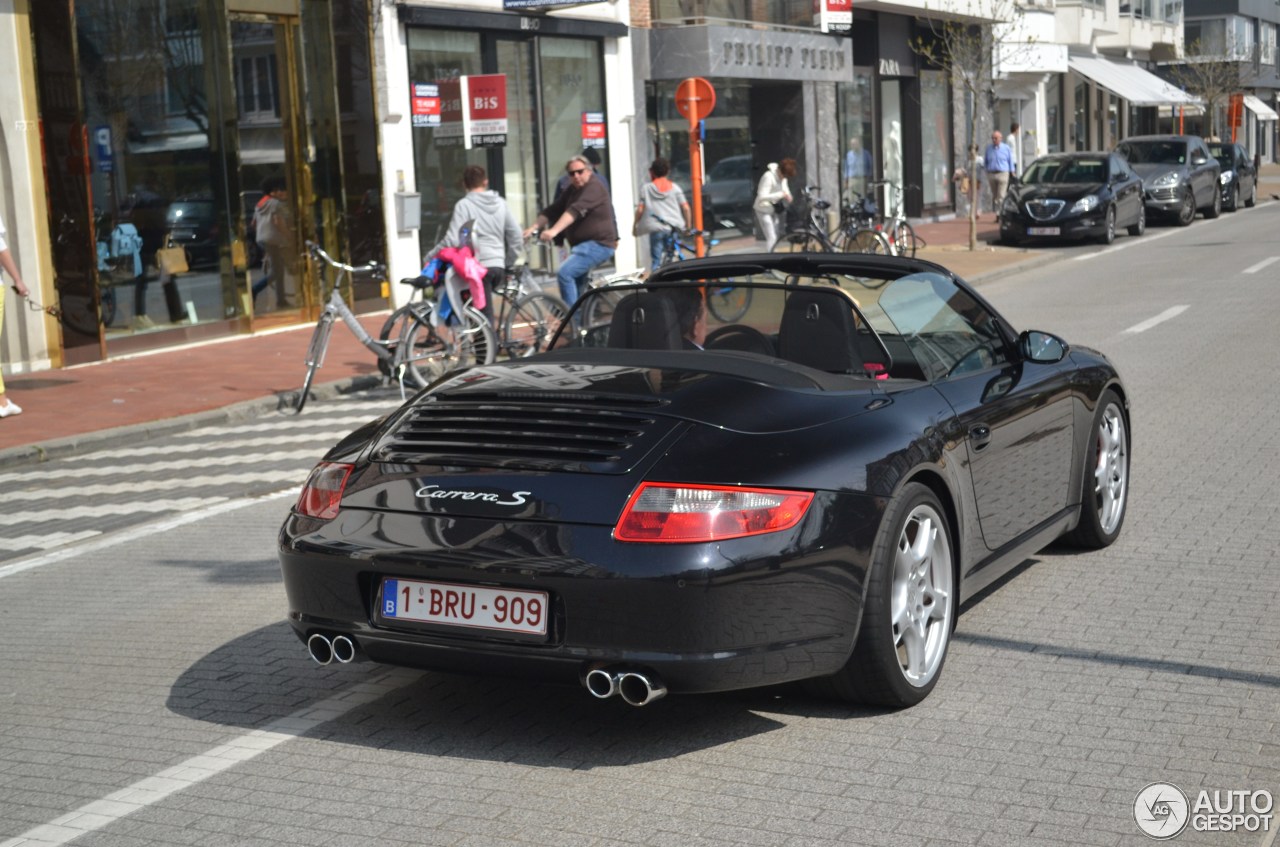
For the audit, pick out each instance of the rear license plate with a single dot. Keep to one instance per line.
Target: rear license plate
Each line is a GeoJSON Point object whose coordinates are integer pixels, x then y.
{"type": "Point", "coordinates": [472, 606]}
{"type": "Point", "coordinates": [1043, 230]}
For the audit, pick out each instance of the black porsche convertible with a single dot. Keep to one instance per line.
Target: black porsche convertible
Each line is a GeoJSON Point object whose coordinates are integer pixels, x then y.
{"type": "Point", "coordinates": [666, 502]}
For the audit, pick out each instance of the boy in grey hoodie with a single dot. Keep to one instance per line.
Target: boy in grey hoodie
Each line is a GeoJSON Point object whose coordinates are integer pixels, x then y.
{"type": "Point", "coordinates": [495, 235]}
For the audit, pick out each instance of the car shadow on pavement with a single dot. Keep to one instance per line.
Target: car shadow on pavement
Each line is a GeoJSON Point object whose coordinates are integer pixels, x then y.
{"type": "Point", "coordinates": [266, 675]}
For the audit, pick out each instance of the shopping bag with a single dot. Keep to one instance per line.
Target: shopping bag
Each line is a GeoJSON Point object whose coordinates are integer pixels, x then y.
{"type": "Point", "coordinates": [172, 260]}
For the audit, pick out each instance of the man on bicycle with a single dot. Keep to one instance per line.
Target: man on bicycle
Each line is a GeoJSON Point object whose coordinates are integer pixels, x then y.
{"type": "Point", "coordinates": [583, 215]}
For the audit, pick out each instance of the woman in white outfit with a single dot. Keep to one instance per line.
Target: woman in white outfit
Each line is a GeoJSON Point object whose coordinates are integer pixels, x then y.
{"type": "Point", "coordinates": [771, 189]}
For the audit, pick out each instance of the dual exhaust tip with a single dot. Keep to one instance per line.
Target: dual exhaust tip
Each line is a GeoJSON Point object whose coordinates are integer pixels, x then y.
{"type": "Point", "coordinates": [325, 649]}
{"type": "Point", "coordinates": [636, 687]}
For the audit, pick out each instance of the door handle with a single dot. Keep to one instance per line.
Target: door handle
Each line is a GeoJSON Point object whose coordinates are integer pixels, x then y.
{"type": "Point", "coordinates": [980, 436]}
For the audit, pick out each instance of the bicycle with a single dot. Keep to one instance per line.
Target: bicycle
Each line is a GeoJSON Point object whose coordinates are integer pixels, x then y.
{"type": "Point", "coordinates": [529, 317]}
{"type": "Point", "coordinates": [850, 236]}
{"type": "Point", "coordinates": [416, 342]}
{"type": "Point", "coordinates": [726, 303]}
{"type": "Point", "coordinates": [902, 236]}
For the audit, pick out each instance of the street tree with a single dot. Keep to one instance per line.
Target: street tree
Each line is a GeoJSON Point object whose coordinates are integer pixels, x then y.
{"type": "Point", "coordinates": [1213, 72]}
{"type": "Point", "coordinates": [966, 41]}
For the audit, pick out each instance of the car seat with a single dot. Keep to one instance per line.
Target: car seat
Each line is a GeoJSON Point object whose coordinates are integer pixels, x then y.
{"type": "Point", "coordinates": [818, 330]}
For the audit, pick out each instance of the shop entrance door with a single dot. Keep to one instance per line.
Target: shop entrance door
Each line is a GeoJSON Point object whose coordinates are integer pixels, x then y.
{"type": "Point", "coordinates": [274, 188]}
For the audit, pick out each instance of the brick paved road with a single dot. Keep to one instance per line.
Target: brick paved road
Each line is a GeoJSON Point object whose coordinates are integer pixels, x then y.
{"type": "Point", "coordinates": [150, 693]}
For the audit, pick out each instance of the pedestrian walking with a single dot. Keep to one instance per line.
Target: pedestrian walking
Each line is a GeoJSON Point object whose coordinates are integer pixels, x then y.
{"type": "Point", "coordinates": [495, 235]}
{"type": "Point", "coordinates": [773, 195]}
{"type": "Point", "coordinates": [997, 161]}
{"type": "Point", "coordinates": [661, 202]}
{"type": "Point", "coordinates": [583, 216]}
{"type": "Point", "coordinates": [1015, 146]}
{"type": "Point", "coordinates": [275, 232]}
{"type": "Point", "coordinates": [7, 406]}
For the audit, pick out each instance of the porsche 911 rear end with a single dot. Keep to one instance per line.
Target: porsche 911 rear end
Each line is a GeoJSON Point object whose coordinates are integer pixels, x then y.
{"type": "Point", "coordinates": [587, 534]}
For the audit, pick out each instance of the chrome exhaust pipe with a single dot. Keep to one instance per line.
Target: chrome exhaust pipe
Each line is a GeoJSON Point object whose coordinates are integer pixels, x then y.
{"type": "Point", "coordinates": [639, 688]}
{"type": "Point", "coordinates": [320, 648]}
{"type": "Point", "coordinates": [344, 649]}
{"type": "Point", "coordinates": [602, 683]}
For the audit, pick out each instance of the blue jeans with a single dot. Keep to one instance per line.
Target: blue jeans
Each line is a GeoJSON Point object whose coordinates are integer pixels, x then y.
{"type": "Point", "coordinates": [657, 246]}
{"type": "Point", "coordinates": [572, 275]}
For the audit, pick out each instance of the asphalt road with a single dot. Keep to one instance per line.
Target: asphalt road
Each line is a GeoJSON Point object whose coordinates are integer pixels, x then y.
{"type": "Point", "coordinates": [150, 693]}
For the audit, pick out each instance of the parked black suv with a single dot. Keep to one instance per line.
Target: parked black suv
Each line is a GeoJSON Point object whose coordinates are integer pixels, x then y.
{"type": "Point", "coordinates": [1239, 176]}
{"type": "Point", "coordinates": [1178, 175]}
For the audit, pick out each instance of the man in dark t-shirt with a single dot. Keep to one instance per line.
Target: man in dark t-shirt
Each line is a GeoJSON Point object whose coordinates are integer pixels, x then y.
{"type": "Point", "coordinates": [583, 214]}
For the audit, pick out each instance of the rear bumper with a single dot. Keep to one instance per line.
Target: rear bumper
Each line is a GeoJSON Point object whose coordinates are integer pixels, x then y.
{"type": "Point", "coordinates": [704, 617]}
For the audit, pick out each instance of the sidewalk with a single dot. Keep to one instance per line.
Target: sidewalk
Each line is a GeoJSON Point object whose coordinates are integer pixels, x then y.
{"type": "Point", "coordinates": [126, 401]}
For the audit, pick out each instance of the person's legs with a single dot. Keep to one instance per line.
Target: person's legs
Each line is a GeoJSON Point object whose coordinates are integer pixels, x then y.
{"type": "Point", "coordinates": [572, 275]}
{"type": "Point", "coordinates": [999, 184]}
{"type": "Point", "coordinates": [768, 226]}
{"type": "Point", "coordinates": [657, 246]}
{"type": "Point", "coordinates": [493, 277]}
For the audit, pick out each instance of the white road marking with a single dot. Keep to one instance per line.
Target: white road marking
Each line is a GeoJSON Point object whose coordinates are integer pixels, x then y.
{"type": "Point", "coordinates": [1167, 314]}
{"type": "Point", "coordinates": [1131, 241]}
{"type": "Point", "coordinates": [135, 486]}
{"type": "Point", "coordinates": [45, 541]}
{"type": "Point", "coordinates": [291, 424]}
{"type": "Point", "coordinates": [1264, 263]}
{"type": "Point", "coordinates": [78, 471]}
{"type": "Point", "coordinates": [147, 792]}
{"type": "Point", "coordinates": [180, 504]}
{"type": "Point", "coordinates": [139, 532]}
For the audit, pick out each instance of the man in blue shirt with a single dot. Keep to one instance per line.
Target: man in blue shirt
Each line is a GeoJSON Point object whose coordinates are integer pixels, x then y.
{"type": "Point", "coordinates": [997, 160]}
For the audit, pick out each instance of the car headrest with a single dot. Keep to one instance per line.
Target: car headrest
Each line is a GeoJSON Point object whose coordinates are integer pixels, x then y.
{"type": "Point", "coordinates": [645, 320]}
{"type": "Point", "coordinates": [819, 329]}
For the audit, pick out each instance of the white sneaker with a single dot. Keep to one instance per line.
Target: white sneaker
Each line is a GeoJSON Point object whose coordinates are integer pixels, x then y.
{"type": "Point", "coordinates": [10, 408]}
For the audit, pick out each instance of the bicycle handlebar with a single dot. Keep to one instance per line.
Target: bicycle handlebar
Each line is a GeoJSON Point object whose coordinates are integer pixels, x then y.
{"type": "Point", "coordinates": [318, 252]}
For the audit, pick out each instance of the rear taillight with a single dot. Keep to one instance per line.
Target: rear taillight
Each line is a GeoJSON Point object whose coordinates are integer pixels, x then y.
{"type": "Point", "coordinates": [323, 490]}
{"type": "Point", "coordinates": [671, 513]}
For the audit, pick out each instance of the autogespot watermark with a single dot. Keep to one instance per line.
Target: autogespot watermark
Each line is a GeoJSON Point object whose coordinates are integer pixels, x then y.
{"type": "Point", "coordinates": [1162, 811]}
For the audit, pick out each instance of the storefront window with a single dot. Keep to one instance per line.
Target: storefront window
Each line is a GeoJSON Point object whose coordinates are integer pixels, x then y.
{"type": "Point", "coordinates": [548, 118]}
{"type": "Point", "coordinates": [857, 133]}
{"type": "Point", "coordinates": [142, 68]}
{"type": "Point", "coordinates": [1053, 117]}
{"type": "Point", "coordinates": [891, 140]}
{"type": "Point", "coordinates": [935, 138]}
{"type": "Point", "coordinates": [1080, 114]}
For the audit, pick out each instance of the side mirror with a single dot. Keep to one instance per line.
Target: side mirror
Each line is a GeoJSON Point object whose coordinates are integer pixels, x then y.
{"type": "Point", "coordinates": [1198, 160]}
{"type": "Point", "coordinates": [1042, 347]}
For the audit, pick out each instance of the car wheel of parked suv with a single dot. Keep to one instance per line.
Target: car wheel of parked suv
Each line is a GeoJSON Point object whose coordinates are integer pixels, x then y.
{"type": "Point", "coordinates": [1188, 211]}
{"type": "Point", "coordinates": [1215, 208]}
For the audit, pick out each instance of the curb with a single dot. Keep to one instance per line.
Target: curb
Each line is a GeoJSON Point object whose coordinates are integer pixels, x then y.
{"type": "Point", "coordinates": [130, 434]}
{"type": "Point", "coordinates": [1029, 263]}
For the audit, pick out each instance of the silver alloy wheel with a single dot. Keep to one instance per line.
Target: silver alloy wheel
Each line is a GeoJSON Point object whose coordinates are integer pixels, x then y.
{"type": "Point", "coordinates": [921, 602]}
{"type": "Point", "coordinates": [1111, 474]}
{"type": "Point", "coordinates": [1111, 224]}
{"type": "Point", "coordinates": [1188, 211]}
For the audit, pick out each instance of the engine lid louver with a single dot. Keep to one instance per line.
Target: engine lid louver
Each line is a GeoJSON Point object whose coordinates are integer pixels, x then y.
{"type": "Point", "coordinates": [537, 431]}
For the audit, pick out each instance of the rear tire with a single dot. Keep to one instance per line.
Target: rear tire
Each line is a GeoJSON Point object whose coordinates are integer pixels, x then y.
{"type": "Point", "coordinates": [798, 242]}
{"type": "Point", "coordinates": [1105, 483]}
{"type": "Point", "coordinates": [1253, 195]}
{"type": "Point", "coordinates": [870, 241]}
{"type": "Point", "coordinates": [729, 304]}
{"type": "Point", "coordinates": [1187, 213]}
{"type": "Point", "coordinates": [1141, 226]}
{"type": "Point", "coordinates": [1214, 209]}
{"type": "Point", "coordinates": [910, 608]}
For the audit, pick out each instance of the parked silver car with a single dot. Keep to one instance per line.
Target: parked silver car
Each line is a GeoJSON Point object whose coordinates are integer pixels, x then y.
{"type": "Point", "coordinates": [1179, 175]}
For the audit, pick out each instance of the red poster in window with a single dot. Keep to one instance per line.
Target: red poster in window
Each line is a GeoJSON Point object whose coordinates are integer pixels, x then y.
{"type": "Point", "coordinates": [593, 129]}
{"type": "Point", "coordinates": [486, 109]}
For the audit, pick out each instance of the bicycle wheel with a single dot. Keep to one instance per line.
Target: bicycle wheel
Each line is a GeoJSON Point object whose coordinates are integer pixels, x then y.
{"type": "Point", "coordinates": [480, 338]}
{"type": "Point", "coordinates": [870, 241]}
{"type": "Point", "coordinates": [315, 357]}
{"type": "Point", "coordinates": [904, 240]}
{"type": "Point", "coordinates": [428, 352]}
{"type": "Point", "coordinates": [599, 310]}
{"type": "Point", "coordinates": [798, 242]}
{"type": "Point", "coordinates": [729, 303]}
{"type": "Point", "coordinates": [531, 323]}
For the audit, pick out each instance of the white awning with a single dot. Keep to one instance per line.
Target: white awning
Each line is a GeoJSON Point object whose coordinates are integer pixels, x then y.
{"type": "Point", "coordinates": [1139, 87]}
{"type": "Point", "coordinates": [1262, 110]}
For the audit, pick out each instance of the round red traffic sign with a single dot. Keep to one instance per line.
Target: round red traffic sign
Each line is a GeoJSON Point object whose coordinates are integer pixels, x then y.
{"type": "Point", "coordinates": [695, 98]}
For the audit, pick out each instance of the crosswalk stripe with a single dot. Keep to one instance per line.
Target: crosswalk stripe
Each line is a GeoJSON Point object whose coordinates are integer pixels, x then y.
{"type": "Point", "coordinates": [44, 541]}
{"type": "Point", "coordinates": [181, 504]}
{"type": "Point", "coordinates": [142, 468]}
{"type": "Point", "coordinates": [282, 477]}
{"type": "Point", "coordinates": [293, 424]}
